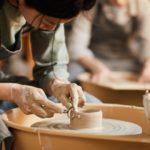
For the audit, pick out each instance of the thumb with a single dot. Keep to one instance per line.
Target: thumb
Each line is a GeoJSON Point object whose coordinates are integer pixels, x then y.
{"type": "Point", "coordinates": [48, 104]}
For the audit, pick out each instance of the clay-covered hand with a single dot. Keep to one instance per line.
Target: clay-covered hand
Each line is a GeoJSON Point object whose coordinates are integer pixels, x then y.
{"type": "Point", "coordinates": [145, 75]}
{"type": "Point", "coordinates": [69, 94]}
{"type": "Point", "coordinates": [32, 100]}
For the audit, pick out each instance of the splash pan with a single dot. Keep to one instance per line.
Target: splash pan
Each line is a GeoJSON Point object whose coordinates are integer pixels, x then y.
{"type": "Point", "coordinates": [27, 137]}
{"type": "Point", "coordinates": [109, 126]}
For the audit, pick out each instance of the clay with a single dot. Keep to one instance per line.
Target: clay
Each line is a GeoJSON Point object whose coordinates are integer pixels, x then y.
{"type": "Point", "coordinates": [89, 120]}
{"type": "Point", "coordinates": [109, 127]}
{"type": "Point", "coordinates": [86, 118]}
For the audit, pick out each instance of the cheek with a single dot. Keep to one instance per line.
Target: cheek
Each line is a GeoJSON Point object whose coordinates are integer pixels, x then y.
{"type": "Point", "coordinates": [119, 3]}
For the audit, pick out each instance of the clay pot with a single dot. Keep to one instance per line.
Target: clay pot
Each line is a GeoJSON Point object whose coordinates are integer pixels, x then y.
{"type": "Point", "coordinates": [86, 118]}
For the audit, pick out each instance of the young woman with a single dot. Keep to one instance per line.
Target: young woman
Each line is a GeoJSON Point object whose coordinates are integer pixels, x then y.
{"type": "Point", "coordinates": [44, 19]}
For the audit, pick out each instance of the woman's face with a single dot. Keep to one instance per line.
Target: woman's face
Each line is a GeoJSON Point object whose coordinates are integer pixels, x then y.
{"type": "Point", "coordinates": [119, 3]}
{"type": "Point", "coordinates": [38, 20]}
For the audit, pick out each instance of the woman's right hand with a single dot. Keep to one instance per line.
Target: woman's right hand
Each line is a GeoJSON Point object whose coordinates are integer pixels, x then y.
{"type": "Point", "coordinates": [32, 100]}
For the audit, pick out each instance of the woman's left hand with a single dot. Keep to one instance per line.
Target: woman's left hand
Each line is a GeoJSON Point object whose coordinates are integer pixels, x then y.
{"type": "Point", "coordinates": [69, 94]}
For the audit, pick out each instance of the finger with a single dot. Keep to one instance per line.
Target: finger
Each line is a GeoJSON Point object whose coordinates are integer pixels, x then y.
{"type": "Point", "coordinates": [82, 98]}
{"type": "Point", "coordinates": [74, 96]}
{"type": "Point", "coordinates": [49, 112]}
{"type": "Point", "coordinates": [27, 112]}
{"type": "Point", "coordinates": [48, 104]}
{"type": "Point", "coordinates": [25, 109]}
{"type": "Point", "coordinates": [37, 110]}
{"type": "Point", "coordinates": [65, 101]}
{"type": "Point", "coordinates": [42, 93]}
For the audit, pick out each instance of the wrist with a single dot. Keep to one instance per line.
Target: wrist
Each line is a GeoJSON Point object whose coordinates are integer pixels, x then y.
{"type": "Point", "coordinates": [15, 88]}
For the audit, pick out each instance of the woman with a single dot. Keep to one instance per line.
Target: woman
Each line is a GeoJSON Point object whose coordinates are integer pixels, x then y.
{"type": "Point", "coordinates": [44, 19]}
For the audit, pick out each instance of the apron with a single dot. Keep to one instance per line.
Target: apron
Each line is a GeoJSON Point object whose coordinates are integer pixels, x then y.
{"type": "Point", "coordinates": [109, 43]}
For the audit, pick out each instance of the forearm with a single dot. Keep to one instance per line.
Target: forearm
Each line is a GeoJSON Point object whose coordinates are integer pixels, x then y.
{"type": "Point", "coordinates": [92, 64]}
{"type": "Point", "coordinates": [6, 91]}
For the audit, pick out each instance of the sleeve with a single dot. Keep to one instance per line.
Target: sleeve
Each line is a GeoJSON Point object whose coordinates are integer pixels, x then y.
{"type": "Point", "coordinates": [10, 31]}
{"type": "Point", "coordinates": [144, 32]}
{"type": "Point", "coordinates": [79, 38]}
{"type": "Point", "coordinates": [50, 55]}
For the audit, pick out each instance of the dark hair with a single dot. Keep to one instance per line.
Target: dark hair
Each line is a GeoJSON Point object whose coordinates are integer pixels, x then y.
{"type": "Point", "coordinates": [61, 8]}
{"type": "Point", "coordinates": [1, 3]}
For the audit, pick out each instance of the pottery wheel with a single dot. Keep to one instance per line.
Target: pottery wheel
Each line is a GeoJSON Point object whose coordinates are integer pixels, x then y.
{"type": "Point", "coordinates": [109, 126]}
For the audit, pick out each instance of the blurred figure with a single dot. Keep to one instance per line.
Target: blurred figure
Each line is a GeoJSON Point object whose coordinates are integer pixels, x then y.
{"type": "Point", "coordinates": [16, 65]}
{"type": "Point", "coordinates": [20, 63]}
{"type": "Point", "coordinates": [114, 36]}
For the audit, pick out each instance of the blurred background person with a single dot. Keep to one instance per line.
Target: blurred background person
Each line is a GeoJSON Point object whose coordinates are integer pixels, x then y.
{"type": "Point", "coordinates": [114, 36]}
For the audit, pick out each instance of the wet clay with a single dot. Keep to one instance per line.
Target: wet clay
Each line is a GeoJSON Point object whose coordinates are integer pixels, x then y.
{"type": "Point", "coordinates": [89, 122]}
{"type": "Point", "coordinates": [86, 118]}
